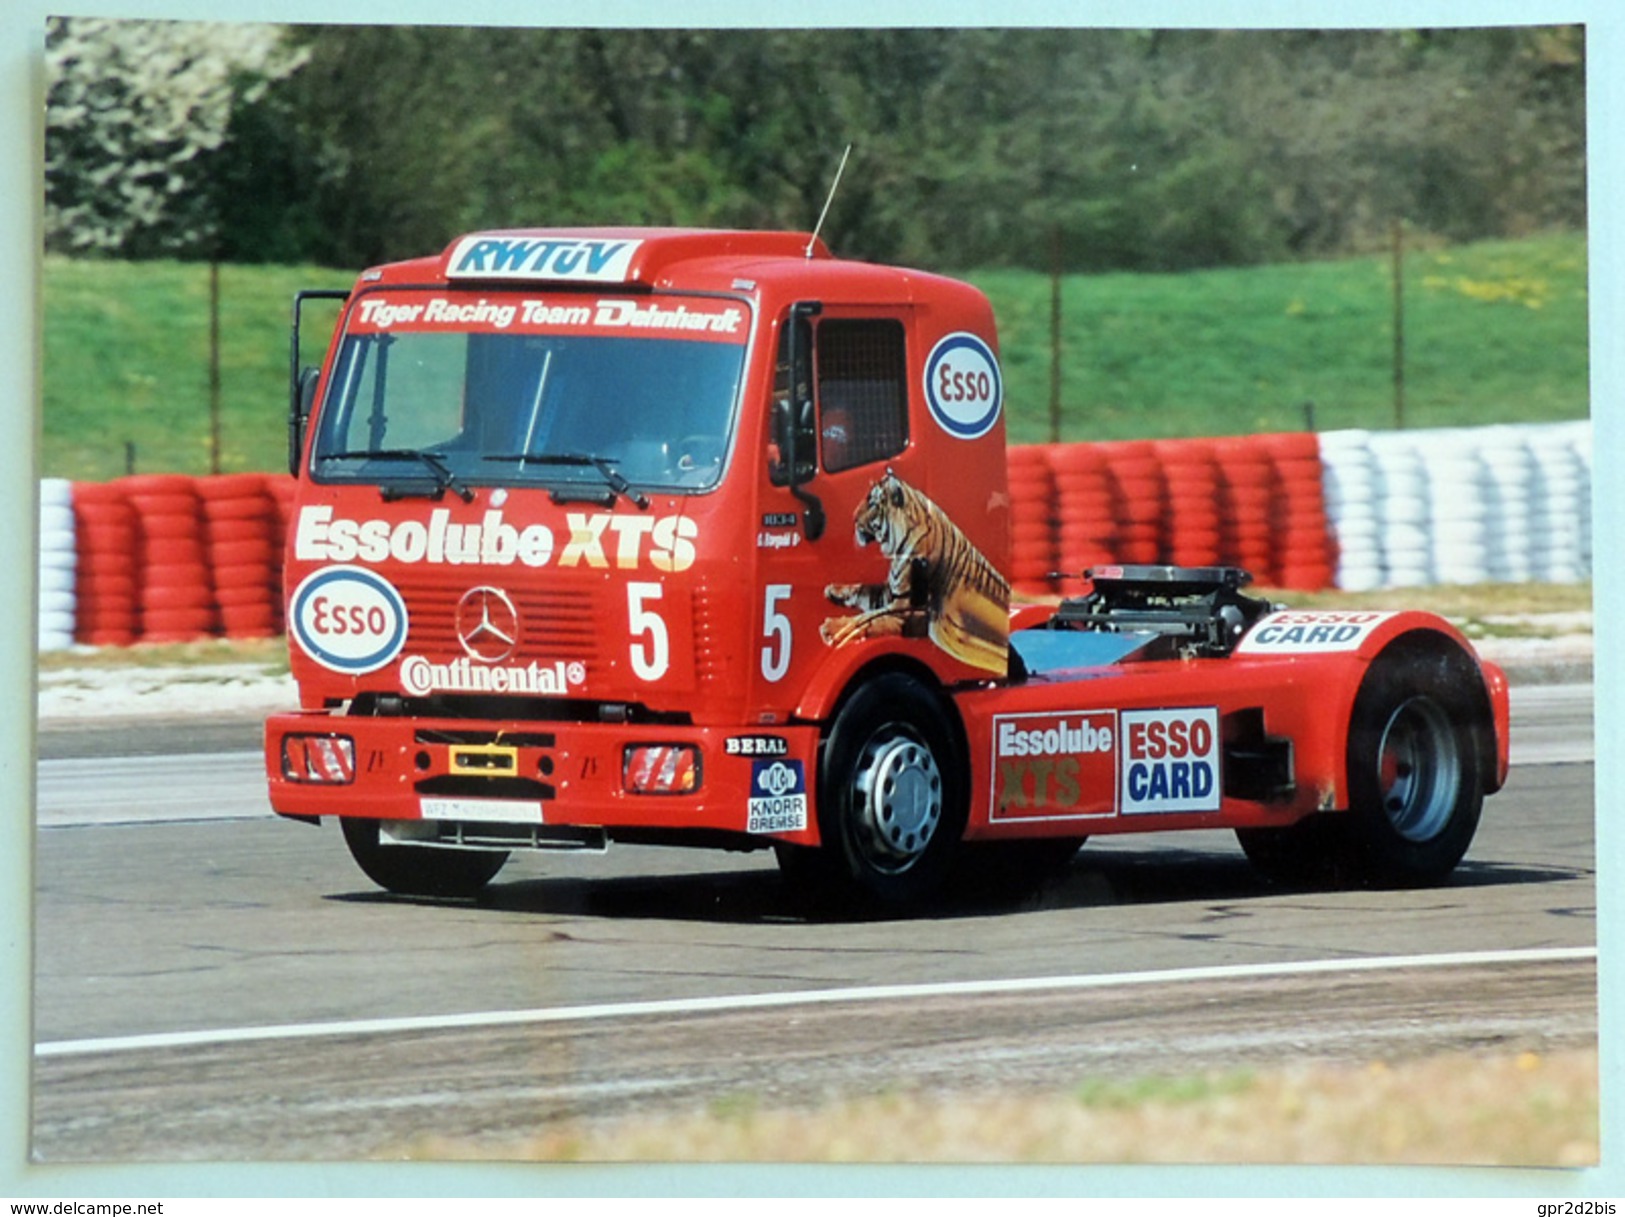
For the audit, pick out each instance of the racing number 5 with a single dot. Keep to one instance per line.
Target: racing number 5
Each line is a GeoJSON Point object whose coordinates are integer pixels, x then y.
{"type": "Point", "coordinates": [776, 630]}
{"type": "Point", "coordinates": [651, 647]}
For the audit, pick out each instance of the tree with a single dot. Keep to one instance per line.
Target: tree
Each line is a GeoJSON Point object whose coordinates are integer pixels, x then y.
{"type": "Point", "coordinates": [134, 111]}
{"type": "Point", "coordinates": [1121, 149]}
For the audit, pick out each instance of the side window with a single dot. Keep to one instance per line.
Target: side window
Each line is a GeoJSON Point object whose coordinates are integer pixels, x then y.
{"type": "Point", "coordinates": [862, 392]}
{"type": "Point", "coordinates": [806, 436]}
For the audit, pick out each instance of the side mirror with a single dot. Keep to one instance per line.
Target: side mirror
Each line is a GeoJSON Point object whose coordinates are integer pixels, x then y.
{"type": "Point", "coordinates": [797, 438]}
{"type": "Point", "coordinates": [304, 398]}
{"type": "Point", "coordinates": [302, 381]}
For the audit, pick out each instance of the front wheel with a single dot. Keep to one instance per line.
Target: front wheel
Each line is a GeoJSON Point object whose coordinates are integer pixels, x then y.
{"type": "Point", "coordinates": [891, 796]}
{"type": "Point", "coordinates": [419, 870]}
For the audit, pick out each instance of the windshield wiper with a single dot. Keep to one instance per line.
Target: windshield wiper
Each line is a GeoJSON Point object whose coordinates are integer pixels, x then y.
{"type": "Point", "coordinates": [604, 464]}
{"type": "Point", "coordinates": [444, 478]}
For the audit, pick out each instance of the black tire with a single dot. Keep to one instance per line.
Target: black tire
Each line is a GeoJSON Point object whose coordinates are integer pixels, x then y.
{"type": "Point", "coordinates": [1415, 777]}
{"type": "Point", "coordinates": [419, 870]}
{"type": "Point", "coordinates": [809, 875]}
{"type": "Point", "coordinates": [891, 798]}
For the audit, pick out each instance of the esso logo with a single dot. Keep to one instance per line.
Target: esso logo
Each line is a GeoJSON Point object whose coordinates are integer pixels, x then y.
{"type": "Point", "coordinates": [348, 618]}
{"type": "Point", "coordinates": [963, 386]}
{"type": "Point", "coordinates": [1159, 739]}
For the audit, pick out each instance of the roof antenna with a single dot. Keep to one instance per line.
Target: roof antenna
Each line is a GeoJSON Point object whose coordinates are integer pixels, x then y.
{"type": "Point", "coordinates": [833, 186]}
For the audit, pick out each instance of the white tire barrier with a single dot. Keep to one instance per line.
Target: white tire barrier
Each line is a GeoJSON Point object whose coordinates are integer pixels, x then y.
{"type": "Point", "coordinates": [1503, 504]}
{"type": "Point", "coordinates": [58, 561]}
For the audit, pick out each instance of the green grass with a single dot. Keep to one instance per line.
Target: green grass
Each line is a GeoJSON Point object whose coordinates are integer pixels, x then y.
{"type": "Point", "coordinates": [126, 361]}
{"type": "Point", "coordinates": [1108, 1094]}
{"type": "Point", "coordinates": [1515, 1108]}
{"type": "Point", "coordinates": [1494, 333]}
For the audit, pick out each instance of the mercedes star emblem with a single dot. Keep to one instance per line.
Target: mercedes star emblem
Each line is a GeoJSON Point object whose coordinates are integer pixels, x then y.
{"type": "Point", "coordinates": [487, 624]}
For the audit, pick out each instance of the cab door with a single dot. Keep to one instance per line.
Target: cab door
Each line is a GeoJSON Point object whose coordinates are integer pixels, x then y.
{"type": "Point", "coordinates": [823, 583]}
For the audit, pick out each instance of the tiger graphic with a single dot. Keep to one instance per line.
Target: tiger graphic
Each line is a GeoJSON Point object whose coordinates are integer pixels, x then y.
{"type": "Point", "coordinates": [940, 586]}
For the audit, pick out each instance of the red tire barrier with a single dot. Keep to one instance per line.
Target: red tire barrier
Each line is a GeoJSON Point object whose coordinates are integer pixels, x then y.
{"type": "Point", "coordinates": [172, 558]}
{"type": "Point", "coordinates": [1193, 530]}
{"type": "Point", "coordinates": [1251, 501]}
{"type": "Point", "coordinates": [1033, 558]}
{"type": "Point", "coordinates": [1139, 494]}
{"type": "Point", "coordinates": [171, 562]}
{"type": "Point", "coordinates": [1085, 512]}
{"type": "Point", "coordinates": [105, 585]}
{"type": "Point", "coordinates": [1305, 554]}
{"type": "Point", "coordinates": [241, 535]}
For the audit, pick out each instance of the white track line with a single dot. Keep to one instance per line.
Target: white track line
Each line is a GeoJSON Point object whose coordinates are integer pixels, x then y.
{"type": "Point", "coordinates": [765, 1001]}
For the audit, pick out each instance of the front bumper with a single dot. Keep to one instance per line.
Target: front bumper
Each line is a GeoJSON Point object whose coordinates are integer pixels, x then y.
{"type": "Point", "coordinates": [753, 782]}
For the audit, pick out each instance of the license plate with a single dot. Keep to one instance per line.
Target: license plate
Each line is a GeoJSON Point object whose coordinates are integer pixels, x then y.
{"type": "Point", "coordinates": [489, 811]}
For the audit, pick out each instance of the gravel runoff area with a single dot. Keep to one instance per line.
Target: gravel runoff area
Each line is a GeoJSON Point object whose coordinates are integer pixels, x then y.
{"type": "Point", "coordinates": [205, 690]}
{"type": "Point", "coordinates": [1561, 653]}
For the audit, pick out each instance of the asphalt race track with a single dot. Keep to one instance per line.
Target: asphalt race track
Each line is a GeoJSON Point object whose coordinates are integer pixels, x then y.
{"type": "Point", "coordinates": [215, 984]}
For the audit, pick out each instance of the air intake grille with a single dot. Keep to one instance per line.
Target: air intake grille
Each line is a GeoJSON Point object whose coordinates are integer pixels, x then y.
{"type": "Point", "coordinates": [554, 622]}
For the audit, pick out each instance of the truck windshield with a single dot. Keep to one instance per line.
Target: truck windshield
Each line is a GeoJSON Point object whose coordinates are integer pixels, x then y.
{"type": "Point", "coordinates": [533, 390]}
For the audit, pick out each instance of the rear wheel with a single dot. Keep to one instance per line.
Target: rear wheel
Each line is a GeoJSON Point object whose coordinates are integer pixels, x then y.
{"type": "Point", "coordinates": [1415, 786]}
{"type": "Point", "coordinates": [1414, 782]}
{"type": "Point", "coordinates": [419, 870]}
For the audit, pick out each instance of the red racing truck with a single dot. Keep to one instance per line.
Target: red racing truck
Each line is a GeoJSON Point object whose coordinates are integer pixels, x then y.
{"type": "Point", "coordinates": [689, 537]}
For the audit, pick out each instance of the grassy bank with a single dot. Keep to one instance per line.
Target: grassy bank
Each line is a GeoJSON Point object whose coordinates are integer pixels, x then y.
{"type": "Point", "coordinates": [1511, 1109]}
{"type": "Point", "coordinates": [1494, 333]}
{"type": "Point", "coordinates": [126, 362]}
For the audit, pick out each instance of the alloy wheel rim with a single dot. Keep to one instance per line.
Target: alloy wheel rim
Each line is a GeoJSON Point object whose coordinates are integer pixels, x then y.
{"type": "Point", "coordinates": [1418, 770]}
{"type": "Point", "coordinates": [900, 796]}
